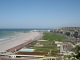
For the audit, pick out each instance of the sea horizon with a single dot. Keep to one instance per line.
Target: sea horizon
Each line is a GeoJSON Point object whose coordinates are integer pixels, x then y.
{"type": "Point", "coordinates": [24, 29]}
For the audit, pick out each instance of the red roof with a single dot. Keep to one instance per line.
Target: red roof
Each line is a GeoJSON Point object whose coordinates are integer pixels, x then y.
{"type": "Point", "coordinates": [19, 46]}
{"type": "Point", "coordinates": [32, 53]}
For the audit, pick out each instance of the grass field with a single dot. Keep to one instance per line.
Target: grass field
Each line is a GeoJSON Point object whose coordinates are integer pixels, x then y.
{"type": "Point", "coordinates": [48, 44]}
{"type": "Point", "coordinates": [52, 36]}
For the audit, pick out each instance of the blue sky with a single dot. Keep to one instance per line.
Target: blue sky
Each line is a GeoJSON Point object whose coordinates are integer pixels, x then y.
{"type": "Point", "coordinates": [39, 13]}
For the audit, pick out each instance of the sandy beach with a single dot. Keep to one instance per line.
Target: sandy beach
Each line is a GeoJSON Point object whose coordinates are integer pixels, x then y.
{"type": "Point", "coordinates": [10, 44]}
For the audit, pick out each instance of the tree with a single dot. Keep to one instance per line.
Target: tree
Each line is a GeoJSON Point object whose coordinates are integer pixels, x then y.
{"type": "Point", "coordinates": [77, 51]}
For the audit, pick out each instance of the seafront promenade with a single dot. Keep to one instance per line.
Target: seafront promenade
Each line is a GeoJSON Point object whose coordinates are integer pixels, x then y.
{"type": "Point", "coordinates": [20, 42]}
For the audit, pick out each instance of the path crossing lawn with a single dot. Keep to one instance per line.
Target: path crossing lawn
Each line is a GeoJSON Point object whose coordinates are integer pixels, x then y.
{"type": "Point", "coordinates": [49, 43]}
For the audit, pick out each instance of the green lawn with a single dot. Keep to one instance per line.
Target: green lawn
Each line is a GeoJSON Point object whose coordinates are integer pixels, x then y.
{"type": "Point", "coordinates": [49, 44]}
{"type": "Point", "coordinates": [52, 36]}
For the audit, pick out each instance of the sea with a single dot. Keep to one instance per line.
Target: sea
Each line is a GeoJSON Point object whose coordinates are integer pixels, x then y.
{"type": "Point", "coordinates": [11, 34]}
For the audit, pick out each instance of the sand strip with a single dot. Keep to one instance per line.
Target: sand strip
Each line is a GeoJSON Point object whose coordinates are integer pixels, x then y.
{"type": "Point", "coordinates": [10, 44]}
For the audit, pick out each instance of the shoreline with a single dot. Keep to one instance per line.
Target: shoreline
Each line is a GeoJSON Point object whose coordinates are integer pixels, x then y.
{"type": "Point", "coordinates": [15, 42]}
{"type": "Point", "coordinates": [13, 37]}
